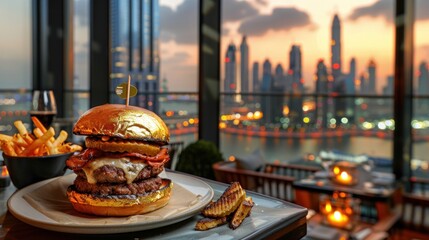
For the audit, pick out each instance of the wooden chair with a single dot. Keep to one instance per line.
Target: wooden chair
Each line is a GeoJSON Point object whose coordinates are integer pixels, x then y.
{"type": "Point", "coordinates": [420, 186]}
{"type": "Point", "coordinates": [265, 183]}
{"type": "Point", "coordinates": [275, 180]}
{"type": "Point", "coordinates": [293, 170]}
{"type": "Point", "coordinates": [414, 222]}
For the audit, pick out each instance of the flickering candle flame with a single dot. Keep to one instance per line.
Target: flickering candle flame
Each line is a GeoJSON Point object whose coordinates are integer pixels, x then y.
{"type": "Point", "coordinates": [336, 170]}
{"type": "Point", "coordinates": [337, 218]}
{"type": "Point", "coordinates": [344, 177]}
{"type": "Point", "coordinates": [328, 207]}
{"type": "Point", "coordinates": [4, 172]}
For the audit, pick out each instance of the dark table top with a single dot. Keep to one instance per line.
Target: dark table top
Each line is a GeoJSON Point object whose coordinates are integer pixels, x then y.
{"type": "Point", "coordinates": [270, 218]}
{"type": "Point", "coordinates": [368, 185]}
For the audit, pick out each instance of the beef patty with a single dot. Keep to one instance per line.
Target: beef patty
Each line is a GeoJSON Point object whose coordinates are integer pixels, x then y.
{"type": "Point", "coordinates": [111, 174]}
{"type": "Point", "coordinates": [140, 187]}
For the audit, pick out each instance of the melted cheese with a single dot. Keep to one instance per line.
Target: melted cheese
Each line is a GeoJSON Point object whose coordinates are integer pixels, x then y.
{"type": "Point", "coordinates": [130, 169]}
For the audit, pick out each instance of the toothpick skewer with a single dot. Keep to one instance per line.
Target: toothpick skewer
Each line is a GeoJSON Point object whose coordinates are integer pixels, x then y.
{"type": "Point", "coordinates": [128, 89]}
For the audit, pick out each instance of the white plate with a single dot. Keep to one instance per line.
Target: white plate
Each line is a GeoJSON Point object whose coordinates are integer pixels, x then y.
{"type": "Point", "coordinates": [25, 212]}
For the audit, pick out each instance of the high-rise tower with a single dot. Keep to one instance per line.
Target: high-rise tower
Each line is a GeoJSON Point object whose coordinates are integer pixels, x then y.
{"type": "Point", "coordinates": [230, 84]}
{"type": "Point", "coordinates": [336, 48]}
{"type": "Point", "coordinates": [322, 87]}
{"type": "Point", "coordinates": [135, 49]}
{"type": "Point", "coordinates": [350, 89]}
{"type": "Point", "coordinates": [297, 87]}
{"type": "Point", "coordinates": [350, 80]}
{"type": "Point", "coordinates": [371, 77]}
{"type": "Point", "coordinates": [279, 77]}
{"type": "Point", "coordinates": [255, 77]}
{"type": "Point", "coordinates": [267, 78]}
{"type": "Point", "coordinates": [423, 79]}
{"type": "Point", "coordinates": [295, 69]}
{"type": "Point", "coordinates": [271, 104]}
{"type": "Point", "coordinates": [244, 65]}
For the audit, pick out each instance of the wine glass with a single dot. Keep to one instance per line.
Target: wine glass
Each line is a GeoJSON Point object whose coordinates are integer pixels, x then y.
{"type": "Point", "coordinates": [44, 107]}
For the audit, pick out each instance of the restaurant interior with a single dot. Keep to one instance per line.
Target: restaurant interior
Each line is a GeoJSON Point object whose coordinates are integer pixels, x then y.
{"type": "Point", "coordinates": [337, 174]}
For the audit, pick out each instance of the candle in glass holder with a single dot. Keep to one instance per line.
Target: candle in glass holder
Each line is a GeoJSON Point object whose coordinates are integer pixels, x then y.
{"type": "Point", "coordinates": [4, 176]}
{"type": "Point", "coordinates": [338, 218]}
{"type": "Point", "coordinates": [344, 178]}
{"type": "Point", "coordinates": [345, 173]}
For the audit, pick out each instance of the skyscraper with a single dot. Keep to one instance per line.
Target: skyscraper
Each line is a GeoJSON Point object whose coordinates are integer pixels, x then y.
{"type": "Point", "coordinates": [255, 77]}
{"type": "Point", "coordinates": [244, 65]}
{"type": "Point", "coordinates": [267, 78]}
{"type": "Point", "coordinates": [423, 78]}
{"type": "Point", "coordinates": [230, 83]}
{"type": "Point", "coordinates": [371, 77]}
{"type": "Point", "coordinates": [135, 49]}
{"type": "Point", "coordinates": [279, 77]}
{"type": "Point", "coordinates": [266, 87]}
{"type": "Point", "coordinates": [296, 88]}
{"type": "Point", "coordinates": [388, 89]}
{"type": "Point", "coordinates": [350, 89]}
{"type": "Point", "coordinates": [363, 84]}
{"type": "Point", "coordinates": [295, 67]}
{"type": "Point", "coordinates": [350, 80]}
{"type": "Point", "coordinates": [322, 87]}
{"type": "Point", "coordinates": [336, 48]}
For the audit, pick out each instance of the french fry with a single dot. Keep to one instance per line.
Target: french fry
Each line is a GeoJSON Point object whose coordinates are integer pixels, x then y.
{"type": "Point", "coordinates": [17, 149]}
{"type": "Point", "coordinates": [8, 148]}
{"type": "Point", "coordinates": [20, 127]}
{"type": "Point", "coordinates": [51, 149]}
{"type": "Point", "coordinates": [18, 140]}
{"type": "Point", "coordinates": [4, 137]}
{"type": "Point", "coordinates": [39, 143]}
{"type": "Point", "coordinates": [42, 140]}
{"type": "Point", "coordinates": [60, 139]}
{"type": "Point", "coordinates": [23, 131]}
{"type": "Point", "coordinates": [38, 124]}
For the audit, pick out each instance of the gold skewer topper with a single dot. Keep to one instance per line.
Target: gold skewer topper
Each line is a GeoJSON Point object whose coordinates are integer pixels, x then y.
{"type": "Point", "coordinates": [126, 90]}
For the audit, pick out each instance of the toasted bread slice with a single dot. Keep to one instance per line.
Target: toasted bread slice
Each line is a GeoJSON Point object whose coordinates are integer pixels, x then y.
{"type": "Point", "coordinates": [224, 205]}
{"type": "Point", "coordinates": [242, 212]}
{"type": "Point", "coordinates": [235, 186]}
{"type": "Point", "coordinates": [208, 223]}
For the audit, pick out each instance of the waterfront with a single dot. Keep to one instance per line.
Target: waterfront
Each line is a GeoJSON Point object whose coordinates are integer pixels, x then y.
{"type": "Point", "coordinates": [289, 149]}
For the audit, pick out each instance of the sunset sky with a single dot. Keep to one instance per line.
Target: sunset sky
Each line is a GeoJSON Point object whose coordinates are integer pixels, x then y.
{"type": "Point", "coordinates": [367, 32]}
{"type": "Point", "coordinates": [271, 26]}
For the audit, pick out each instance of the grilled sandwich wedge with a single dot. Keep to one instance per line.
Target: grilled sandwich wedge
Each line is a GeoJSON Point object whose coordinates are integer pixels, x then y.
{"type": "Point", "coordinates": [208, 223]}
{"type": "Point", "coordinates": [241, 213]}
{"type": "Point", "coordinates": [225, 205]}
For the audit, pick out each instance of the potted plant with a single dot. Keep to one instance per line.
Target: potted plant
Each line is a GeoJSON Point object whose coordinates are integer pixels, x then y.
{"type": "Point", "coordinates": [197, 158]}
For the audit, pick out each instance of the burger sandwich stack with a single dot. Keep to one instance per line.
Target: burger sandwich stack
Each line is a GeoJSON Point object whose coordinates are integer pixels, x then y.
{"type": "Point", "coordinates": [118, 172]}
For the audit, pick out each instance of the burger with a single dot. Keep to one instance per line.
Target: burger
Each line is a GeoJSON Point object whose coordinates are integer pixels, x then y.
{"type": "Point", "coordinates": [118, 172]}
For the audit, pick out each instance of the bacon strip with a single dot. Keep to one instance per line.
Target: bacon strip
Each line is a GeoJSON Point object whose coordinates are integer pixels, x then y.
{"type": "Point", "coordinates": [78, 161]}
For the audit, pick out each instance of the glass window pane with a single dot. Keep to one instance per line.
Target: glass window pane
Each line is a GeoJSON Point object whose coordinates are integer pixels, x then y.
{"type": "Point", "coordinates": [178, 56]}
{"type": "Point", "coordinates": [15, 63]}
{"type": "Point", "coordinates": [78, 89]}
{"type": "Point", "coordinates": [319, 78]}
{"type": "Point", "coordinates": [420, 123]}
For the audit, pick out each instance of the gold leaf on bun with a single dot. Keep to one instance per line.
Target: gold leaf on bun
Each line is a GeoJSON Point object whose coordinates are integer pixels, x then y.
{"type": "Point", "coordinates": [121, 121]}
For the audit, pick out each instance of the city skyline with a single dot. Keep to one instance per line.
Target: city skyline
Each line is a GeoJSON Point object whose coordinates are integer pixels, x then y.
{"type": "Point", "coordinates": [290, 80]}
{"type": "Point", "coordinates": [179, 38]}
{"type": "Point", "coordinates": [272, 27]}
